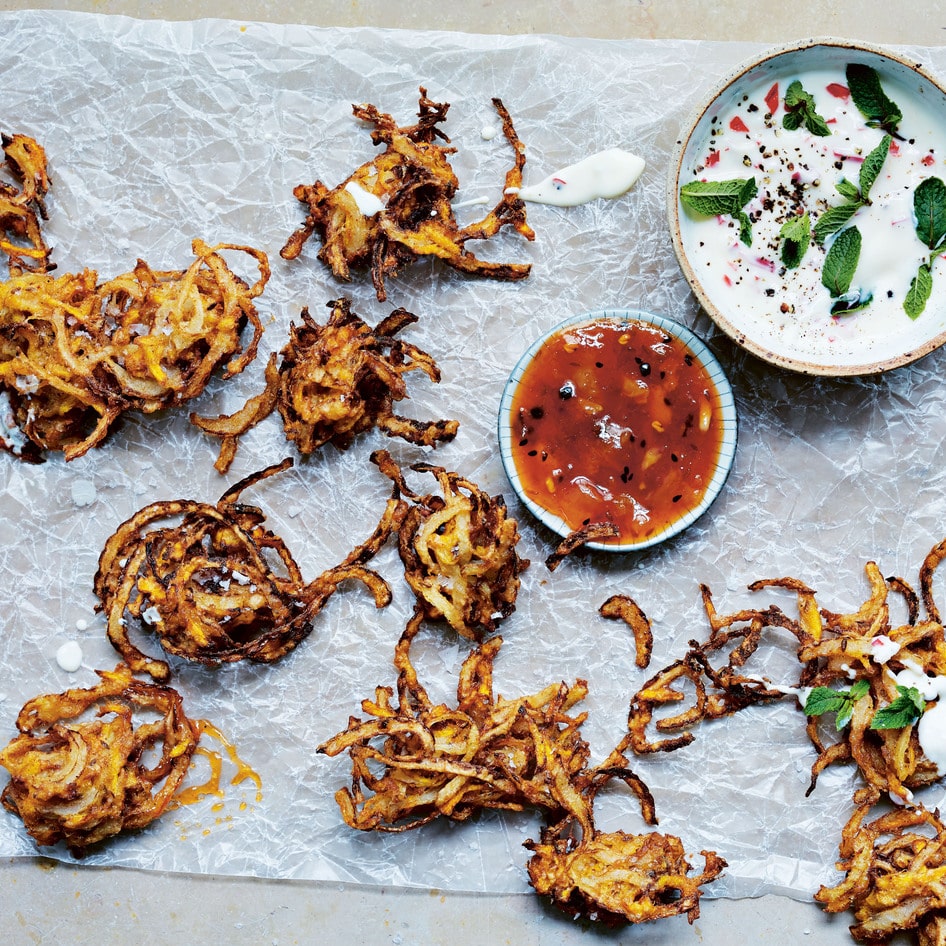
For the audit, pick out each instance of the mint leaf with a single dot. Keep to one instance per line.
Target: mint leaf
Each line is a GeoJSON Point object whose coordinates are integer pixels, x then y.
{"type": "Point", "coordinates": [846, 189]}
{"type": "Point", "coordinates": [800, 110]}
{"type": "Point", "coordinates": [904, 711]}
{"type": "Point", "coordinates": [852, 301]}
{"type": "Point", "coordinates": [796, 236]}
{"type": "Point", "coordinates": [921, 288]}
{"type": "Point", "coordinates": [870, 169]}
{"type": "Point", "coordinates": [721, 198]}
{"type": "Point", "coordinates": [841, 262]}
{"type": "Point", "coordinates": [871, 100]}
{"type": "Point", "coordinates": [833, 219]}
{"type": "Point", "coordinates": [825, 700]}
{"type": "Point", "coordinates": [745, 228]}
{"type": "Point", "coordinates": [929, 211]}
{"type": "Point", "coordinates": [929, 207]}
{"type": "Point", "coordinates": [712, 198]}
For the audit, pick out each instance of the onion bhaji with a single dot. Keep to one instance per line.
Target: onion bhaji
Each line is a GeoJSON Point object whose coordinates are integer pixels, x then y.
{"type": "Point", "coordinates": [396, 207]}
{"type": "Point", "coordinates": [878, 679]}
{"type": "Point", "coordinates": [75, 354]}
{"type": "Point", "coordinates": [894, 862]}
{"type": "Point", "coordinates": [217, 586]}
{"type": "Point", "coordinates": [23, 205]}
{"type": "Point", "coordinates": [414, 761]}
{"type": "Point", "coordinates": [458, 550]}
{"type": "Point", "coordinates": [335, 381]}
{"type": "Point", "coordinates": [85, 766]}
{"type": "Point", "coordinates": [615, 875]}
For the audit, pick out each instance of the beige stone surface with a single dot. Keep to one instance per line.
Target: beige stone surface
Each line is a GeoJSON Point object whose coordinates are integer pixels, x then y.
{"type": "Point", "coordinates": [45, 902]}
{"type": "Point", "coordinates": [764, 21]}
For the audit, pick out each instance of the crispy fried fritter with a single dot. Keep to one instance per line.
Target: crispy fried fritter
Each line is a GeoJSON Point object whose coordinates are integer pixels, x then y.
{"type": "Point", "coordinates": [82, 780]}
{"type": "Point", "coordinates": [616, 875]}
{"type": "Point", "coordinates": [458, 549]}
{"type": "Point", "coordinates": [335, 381]}
{"type": "Point", "coordinates": [208, 585]}
{"type": "Point", "coordinates": [895, 871]}
{"type": "Point", "coordinates": [396, 207]}
{"type": "Point", "coordinates": [22, 207]}
{"type": "Point", "coordinates": [414, 762]}
{"type": "Point", "coordinates": [75, 354]}
{"type": "Point", "coordinates": [436, 761]}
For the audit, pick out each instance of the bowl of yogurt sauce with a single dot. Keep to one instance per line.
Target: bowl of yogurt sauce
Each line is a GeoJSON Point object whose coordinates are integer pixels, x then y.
{"type": "Point", "coordinates": [807, 207]}
{"type": "Point", "coordinates": [618, 416]}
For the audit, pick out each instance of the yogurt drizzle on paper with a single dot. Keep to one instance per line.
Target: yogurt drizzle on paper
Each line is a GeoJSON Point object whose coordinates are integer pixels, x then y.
{"type": "Point", "coordinates": [607, 174]}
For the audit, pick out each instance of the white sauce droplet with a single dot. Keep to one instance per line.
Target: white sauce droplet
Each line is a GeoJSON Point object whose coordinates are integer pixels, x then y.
{"type": "Point", "coordinates": [883, 648]}
{"type": "Point", "coordinates": [69, 656]}
{"type": "Point", "coordinates": [368, 203]}
{"type": "Point", "coordinates": [82, 624]}
{"type": "Point", "coordinates": [607, 174]}
{"type": "Point", "coordinates": [489, 132]}
{"type": "Point", "coordinates": [83, 492]}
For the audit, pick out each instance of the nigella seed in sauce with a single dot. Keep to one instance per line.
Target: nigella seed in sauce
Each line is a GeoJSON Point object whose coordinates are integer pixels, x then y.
{"type": "Point", "coordinates": [536, 413]}
{"type": "Point", "coordinates": [566, 391]}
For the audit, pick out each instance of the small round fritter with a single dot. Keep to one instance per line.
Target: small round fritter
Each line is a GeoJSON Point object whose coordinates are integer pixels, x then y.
{"type": "Point", "coordinates": [215, 585]}
{"type": "Point", "coordinates": [334, 381]}
{"type": "Point", "coordinates": [82, 780]}
{"type": "Point", "coordinates": [458, 549]}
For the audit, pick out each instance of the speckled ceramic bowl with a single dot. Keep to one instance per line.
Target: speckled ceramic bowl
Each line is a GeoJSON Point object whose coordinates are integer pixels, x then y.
{"type": "Point", "coordinates": [726, 407]}
{"type": "Point", "coordinates": [784, 315]}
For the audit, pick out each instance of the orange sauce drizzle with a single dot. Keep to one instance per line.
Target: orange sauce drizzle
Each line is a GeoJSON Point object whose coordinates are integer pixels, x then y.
{"type": "Point", "coordinates": [193, 793]}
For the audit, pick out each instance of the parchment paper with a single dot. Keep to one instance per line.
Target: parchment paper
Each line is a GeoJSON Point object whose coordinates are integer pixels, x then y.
{"type": "Point", "coordinates": [158, 133]}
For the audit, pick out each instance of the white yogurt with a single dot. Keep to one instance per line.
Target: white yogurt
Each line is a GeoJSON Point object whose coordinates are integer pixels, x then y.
{"type": "Point", "coordinates": [69, 656]}
{"type": "Point", "coordinates": [883, 648]}
{"type": "Point", "coordinates": [797, 171]}
{"type": "Point", "coordinates": [368, 203]}
{"type": "Point", "coordinates": [607, 174]}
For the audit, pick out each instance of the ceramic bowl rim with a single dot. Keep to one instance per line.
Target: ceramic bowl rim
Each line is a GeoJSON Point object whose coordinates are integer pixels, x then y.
{"type": "Point", "coordinates": [710, 364]}
{"type": "Point", "coordinates": [689, 127]}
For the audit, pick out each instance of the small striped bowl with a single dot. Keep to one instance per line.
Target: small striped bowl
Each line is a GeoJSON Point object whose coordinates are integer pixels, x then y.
{"type": "Point", "coordinates": [711, 366]}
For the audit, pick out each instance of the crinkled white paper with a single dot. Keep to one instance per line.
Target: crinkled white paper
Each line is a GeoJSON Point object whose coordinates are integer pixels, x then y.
{"type": "Point", "coordinates": [158, 133]}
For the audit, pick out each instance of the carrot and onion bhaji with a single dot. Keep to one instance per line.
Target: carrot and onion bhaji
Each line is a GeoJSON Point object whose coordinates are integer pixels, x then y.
{"type": "Point", "coordinates": [615, 875]}
{"type": "Point", "coordinates": [871, 689]}
{"type": "Point", "coordinates": [894, 861]}
{"type": "Point", "coordinates": [437, 761]}
{"type": "Point", "coordinates": [335, 381]}
{"type": "Point", "coordinates": [216, 586]}
{"type": "Point", "coordinates": [396, 207]}
{"type": "Point", "coordinates": [414, 761]}
{"type": "Point", "coordinates": [23, 205]}
{"type": "Point", "coordinates": [75, 354]}
{"type": "Point", "coordinates": [458, 550]}
{"type": "Point", "coordinates": [85, 765]}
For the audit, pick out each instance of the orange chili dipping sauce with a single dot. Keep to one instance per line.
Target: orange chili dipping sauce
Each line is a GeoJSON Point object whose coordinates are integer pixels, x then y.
{"type": "Point", "coordinates": [616, 420]}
